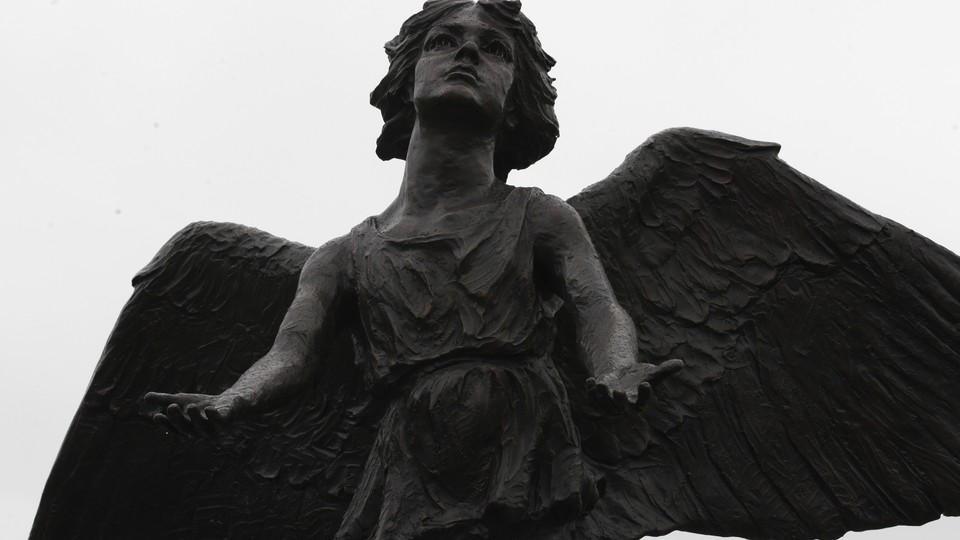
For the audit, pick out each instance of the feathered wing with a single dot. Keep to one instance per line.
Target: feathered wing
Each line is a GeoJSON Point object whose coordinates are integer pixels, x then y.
{"type": "Point", "coordinates": [202, 311]}
{"type": "Point", "coordinates": [822, 345]}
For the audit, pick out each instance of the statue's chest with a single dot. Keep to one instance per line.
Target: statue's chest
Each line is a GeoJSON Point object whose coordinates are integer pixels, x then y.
{"type": "Point", "coordinates": [444, 272]}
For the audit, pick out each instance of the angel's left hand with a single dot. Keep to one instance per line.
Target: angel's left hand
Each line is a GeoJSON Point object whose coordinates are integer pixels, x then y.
{"type": "Point", "coordinates": [631, 386]}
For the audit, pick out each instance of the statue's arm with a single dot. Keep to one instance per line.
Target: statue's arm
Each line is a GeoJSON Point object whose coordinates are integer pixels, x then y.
{"type": "Point", "coordinates": [606, 335]}
{"type": "Point", "coordinates": [287, 365]}
{"type": "Point", "coordinates": [323, 279]}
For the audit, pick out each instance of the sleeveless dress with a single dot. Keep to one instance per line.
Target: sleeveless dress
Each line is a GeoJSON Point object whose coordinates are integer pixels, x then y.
{"type": "Point", "coordinates": [478, 430]}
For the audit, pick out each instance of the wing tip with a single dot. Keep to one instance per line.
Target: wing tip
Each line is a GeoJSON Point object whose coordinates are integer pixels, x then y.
{"type": "Point", "coordinates": [184, 235]}
{"type": "Point", "coordinates": [206, 233]}
{"type": "Point", "coordinates": [701, 136]}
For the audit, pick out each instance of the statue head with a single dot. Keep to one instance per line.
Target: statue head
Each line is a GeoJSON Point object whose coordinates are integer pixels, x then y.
{"type": "Point", "coordinates": [529, 129]}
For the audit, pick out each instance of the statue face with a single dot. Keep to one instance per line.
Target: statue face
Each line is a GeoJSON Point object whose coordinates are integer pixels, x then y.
{"type": "Point", "coordinates": [466, 67]}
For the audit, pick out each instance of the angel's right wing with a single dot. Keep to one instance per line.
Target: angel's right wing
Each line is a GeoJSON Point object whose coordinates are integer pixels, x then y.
{"type": "Point", "coordinates": [202, 312]}
{"type": "Point", "coordinates": [822, 345]}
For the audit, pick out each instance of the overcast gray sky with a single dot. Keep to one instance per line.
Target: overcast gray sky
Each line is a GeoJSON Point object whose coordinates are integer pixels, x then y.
{"type": "Point", "coordinates": [122, 121]}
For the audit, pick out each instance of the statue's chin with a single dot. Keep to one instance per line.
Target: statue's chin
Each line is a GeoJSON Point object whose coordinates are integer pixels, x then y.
{"type": "Point", "coordinates": [458, 106]}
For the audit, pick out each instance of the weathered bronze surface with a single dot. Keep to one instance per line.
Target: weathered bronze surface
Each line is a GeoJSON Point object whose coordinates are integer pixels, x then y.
{"type": "Point", "coordinates": [486, 361]}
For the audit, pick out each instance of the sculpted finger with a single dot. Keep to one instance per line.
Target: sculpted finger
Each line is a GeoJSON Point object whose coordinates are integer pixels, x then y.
{"type": "Point", "coordinates": [193, 413]}
{"type": "Point", "coordinates": [593, 389]}
{"type": "Point", "coordinates": [620, 399]}
{"type": "Point", "coordinates": [198, 421]}
{"type": "Point", "coordinates": [666, 369]}
{"type": "Point", "coordinates": [158, 398]}
{"type": "Point", "coordinates": [153, 403]}
{"type": "Point", "coordinates": [164, 422]}
{"type": "Point", "coordinates": [162, 399]}
{"type": "Point", "coordinates": [178, 419]}
{"type": "Point", "coordinates": [216, 418]}
{"type": "Point", "coordinates": [599, 394]}
{"type": "Point", "coordinates": [644, 392]}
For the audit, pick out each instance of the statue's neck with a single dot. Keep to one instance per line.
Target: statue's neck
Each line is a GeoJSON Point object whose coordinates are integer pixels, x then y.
{"type": "Point", "coordinates": [445, 169]}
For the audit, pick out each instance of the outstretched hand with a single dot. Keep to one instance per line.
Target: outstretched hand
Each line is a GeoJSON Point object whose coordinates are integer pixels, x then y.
{"type": "Point", "coordinates": [194, 415]}
{"type": "Point", "coordinates": [631, 386]}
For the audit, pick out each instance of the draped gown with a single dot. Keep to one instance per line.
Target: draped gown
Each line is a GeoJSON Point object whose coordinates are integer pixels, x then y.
{"type": "Point", "coordinates": [478, 431]}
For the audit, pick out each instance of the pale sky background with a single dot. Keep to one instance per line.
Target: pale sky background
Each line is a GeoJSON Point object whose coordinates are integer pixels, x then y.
{"type": "Point", "coordinates": [123, 121]}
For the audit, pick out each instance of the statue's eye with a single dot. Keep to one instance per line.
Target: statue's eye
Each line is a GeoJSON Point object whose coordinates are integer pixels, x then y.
{"type": "Point", "coordinates": [440, 41]}
{"type": "Point", "coordinates": [497, 48]}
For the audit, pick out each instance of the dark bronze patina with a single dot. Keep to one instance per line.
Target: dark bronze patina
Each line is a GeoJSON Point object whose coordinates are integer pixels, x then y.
{"type": "Point", "coordinates": [467, 363]}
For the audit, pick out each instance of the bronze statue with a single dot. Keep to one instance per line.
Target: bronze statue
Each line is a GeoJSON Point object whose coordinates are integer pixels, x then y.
{"type": "Point", "coordinates": [457, 282]}
{"type": "Point", "coordinates": [459, 366]}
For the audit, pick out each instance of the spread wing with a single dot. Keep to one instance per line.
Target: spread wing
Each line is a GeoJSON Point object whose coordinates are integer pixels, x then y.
{"type": "Point", "coordinates": [202, 312]}
{"type": "Point", "coordinates": [822, 345]}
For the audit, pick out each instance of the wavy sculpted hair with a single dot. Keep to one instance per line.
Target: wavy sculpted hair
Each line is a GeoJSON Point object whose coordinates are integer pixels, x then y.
{"type": "Point", "coordinates": [530, 128]}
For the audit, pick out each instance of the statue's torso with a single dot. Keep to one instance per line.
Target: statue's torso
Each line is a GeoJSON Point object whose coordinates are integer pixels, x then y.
{"type": "Point", "coordinates": [459, 334]}
{"type": "Point", "coordinates": [464, 292]}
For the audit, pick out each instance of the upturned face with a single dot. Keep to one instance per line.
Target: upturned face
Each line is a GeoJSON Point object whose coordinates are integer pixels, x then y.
{"type": "Point", "coordinates": [466, 68]}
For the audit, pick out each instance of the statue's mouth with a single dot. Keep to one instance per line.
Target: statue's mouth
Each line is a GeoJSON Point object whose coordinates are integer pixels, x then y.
{"type": "Point", "coordinates": [464, 73]}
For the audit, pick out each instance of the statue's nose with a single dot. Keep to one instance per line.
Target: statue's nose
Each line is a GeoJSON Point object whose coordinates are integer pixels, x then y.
{"type": "Point", "coordinates": [469, 51]}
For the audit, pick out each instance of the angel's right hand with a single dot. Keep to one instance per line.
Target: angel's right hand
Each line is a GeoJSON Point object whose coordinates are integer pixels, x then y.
{"type": "Point", "coordinates": [194, 415]}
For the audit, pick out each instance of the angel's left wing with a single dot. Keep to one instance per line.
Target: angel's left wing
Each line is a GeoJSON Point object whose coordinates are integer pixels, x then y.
{"type": "Point", "coordinates": [202, 312]}
{"type": "Point", "coordinates": [822, 345]}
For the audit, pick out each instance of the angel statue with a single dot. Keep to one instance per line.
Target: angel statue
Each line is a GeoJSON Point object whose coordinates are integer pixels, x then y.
{"type": "Point", "coordinates": [483, 361]}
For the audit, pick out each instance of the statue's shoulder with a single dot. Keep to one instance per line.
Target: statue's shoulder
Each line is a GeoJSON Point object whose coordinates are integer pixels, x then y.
{"type": "Point", "coordinates": [546, 210]}
{"type": "Point", "coordinates": [362, 239]}
{"type": "Point", "coordinates": [362, 232]}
